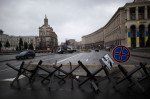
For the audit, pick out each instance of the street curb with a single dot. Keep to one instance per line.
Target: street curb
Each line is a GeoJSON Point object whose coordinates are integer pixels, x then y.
{"type": "Point", "coordinates": [140, 56]}
{"type": "Point", "coordinates": [15, 59]}
{"type": "Point", "coordinates": [7, 60]}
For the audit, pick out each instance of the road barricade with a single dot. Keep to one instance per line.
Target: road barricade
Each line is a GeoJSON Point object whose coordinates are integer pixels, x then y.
{"type": "Point", "coordinates": [95, 73]}
{"type": "Point", "coordinates": [91, 68]}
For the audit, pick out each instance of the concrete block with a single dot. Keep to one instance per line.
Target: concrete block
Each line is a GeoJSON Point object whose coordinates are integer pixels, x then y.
{"type": "Point", "coordinates": [91, 67]}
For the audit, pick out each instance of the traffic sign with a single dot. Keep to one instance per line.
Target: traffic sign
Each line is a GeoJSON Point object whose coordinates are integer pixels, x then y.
{"type": "Point", "coordinates": [121, 54]}
{"type": "Point", "coordinates": [107, 61]}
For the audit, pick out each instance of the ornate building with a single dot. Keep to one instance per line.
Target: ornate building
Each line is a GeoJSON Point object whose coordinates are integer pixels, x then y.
{"type": "Point", "coordinates": [138, 23]}
{"type": "Point", "coordinates": [129, 26]}
{"type": "Point", "coordinates": [47, 37]}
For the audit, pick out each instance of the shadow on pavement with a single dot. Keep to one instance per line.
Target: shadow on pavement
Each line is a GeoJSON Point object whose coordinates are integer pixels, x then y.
{"type": "Point", "coordinates": [23, 90]}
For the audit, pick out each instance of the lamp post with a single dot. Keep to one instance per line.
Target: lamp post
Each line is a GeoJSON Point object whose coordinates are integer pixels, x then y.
{"type": "Point", "coordinates": [120, 36]}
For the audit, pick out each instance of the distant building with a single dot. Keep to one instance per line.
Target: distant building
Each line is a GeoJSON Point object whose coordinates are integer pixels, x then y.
{"type": "Point", "coordinates": [71, 43]}
{"type": "Point", "coordinates": [79, 45]}
{"type": "Point", "coordinates": [3, 39]}
{"type": "Point", "coordinates": [129, 26]}
{"type": "Point", "coordinates": [29, 40]}
{"type": "Point", "coordinates": [94, 40]}
{"type": "Point", "coordinates": [47, 37]}
{"type": "Point", "coordinates": [14, 41]}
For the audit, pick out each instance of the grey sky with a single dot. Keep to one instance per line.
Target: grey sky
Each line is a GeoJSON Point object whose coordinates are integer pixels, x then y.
{"type": "Point", "coordinates": [70, 19]}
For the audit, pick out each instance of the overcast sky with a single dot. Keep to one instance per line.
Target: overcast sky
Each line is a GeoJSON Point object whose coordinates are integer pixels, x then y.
{"type": "Point", "coordinates": [70, 19]}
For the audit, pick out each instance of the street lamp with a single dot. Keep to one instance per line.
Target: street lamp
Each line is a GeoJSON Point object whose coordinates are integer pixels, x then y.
{"type": "Point", "coordinates": [120, 35]}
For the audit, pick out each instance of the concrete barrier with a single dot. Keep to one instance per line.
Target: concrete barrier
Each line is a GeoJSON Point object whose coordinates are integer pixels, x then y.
{"type": "Point", "coordinates": [91, 67]}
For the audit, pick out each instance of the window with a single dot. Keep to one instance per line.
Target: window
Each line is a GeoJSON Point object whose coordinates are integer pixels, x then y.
{"type": "Point", "coordinates": [132, 13]}
{"type": "Point", "coordinates": [141, 13]}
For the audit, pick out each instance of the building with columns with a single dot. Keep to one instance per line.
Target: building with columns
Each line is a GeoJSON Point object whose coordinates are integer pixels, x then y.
{"type": "Point", "coordinates": [14, 41]}
{"type": "Point", "coordinates": [47, 37]}
{"type": "Point", "coordinates": [93, 40]}
{"type": "Point", "coordinates": [138, 23]}
{"type": "Point", "coordinates": [129, 26]}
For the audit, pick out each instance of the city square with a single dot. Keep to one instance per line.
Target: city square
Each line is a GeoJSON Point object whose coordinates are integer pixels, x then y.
{"type": "Point", "coordinates": [53, 63]}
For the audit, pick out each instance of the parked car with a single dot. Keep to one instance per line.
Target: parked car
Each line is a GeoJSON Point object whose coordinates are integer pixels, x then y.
{"type": "Point", "coordinates": [25, 55]}
{"type": "Point", "coordinates": [96, 50]}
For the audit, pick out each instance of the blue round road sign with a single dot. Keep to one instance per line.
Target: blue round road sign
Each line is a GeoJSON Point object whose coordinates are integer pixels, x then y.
{"type": "Point", "coordinates": [121, 54]}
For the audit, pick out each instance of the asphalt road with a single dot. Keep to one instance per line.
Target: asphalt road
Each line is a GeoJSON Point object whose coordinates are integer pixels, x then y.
{"type": "Point", "coordinates": [7, 74]}
{"type": "Point", "coordinates": [87, 58]}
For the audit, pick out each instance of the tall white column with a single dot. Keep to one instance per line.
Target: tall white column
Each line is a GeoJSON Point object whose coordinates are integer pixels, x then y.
{"type": "Point", "coordinates": [145, 12]}
{"type": "Point", "coordinates": [128, 13]}
{"type": "Point", "coordinates": [137, 13]}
